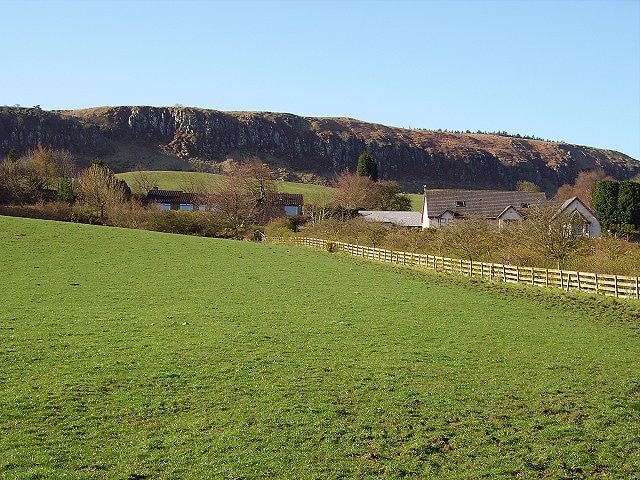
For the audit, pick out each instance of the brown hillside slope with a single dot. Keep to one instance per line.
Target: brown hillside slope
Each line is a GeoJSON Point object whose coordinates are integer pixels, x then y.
{"type": "Point", "coordinates": [305, 147]}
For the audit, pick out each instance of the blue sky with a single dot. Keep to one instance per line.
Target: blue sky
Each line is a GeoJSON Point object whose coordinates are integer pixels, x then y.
{"type": "Point", "coordinates": [563, 70]}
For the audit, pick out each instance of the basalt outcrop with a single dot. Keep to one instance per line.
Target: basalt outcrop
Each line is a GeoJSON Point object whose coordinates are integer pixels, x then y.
{"type": "Point", "coordinates": [302, 147]}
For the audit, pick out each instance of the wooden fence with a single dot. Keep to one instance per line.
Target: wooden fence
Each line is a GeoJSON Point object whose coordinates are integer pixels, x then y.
{"type": "Point", "coordinates": [612, 285]}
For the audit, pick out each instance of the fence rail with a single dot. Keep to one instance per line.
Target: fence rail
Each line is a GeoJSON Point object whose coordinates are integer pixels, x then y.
{"type": "Point", "coordinates": [612, 285]}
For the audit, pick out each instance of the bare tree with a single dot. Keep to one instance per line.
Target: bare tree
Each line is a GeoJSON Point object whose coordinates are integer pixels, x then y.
{"type": "Point", "coordinates": [143, 181]}
{"type": "Point", "coordinates": [553, 234]}
{"type": "Point", "coordinates": [583, 186]}
{"type": "Point", "coordinates": [467, 238]}
{"type": "Point", "coordinates": [354, 191]}
{"type": "Point", "coordinates": [98, 189]}
{"type": "Point", "coordinates": [245, 196]}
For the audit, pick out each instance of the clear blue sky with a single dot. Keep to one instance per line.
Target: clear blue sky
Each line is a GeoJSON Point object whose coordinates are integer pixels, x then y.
{"type": "Point", "coordinates": [563, 70]}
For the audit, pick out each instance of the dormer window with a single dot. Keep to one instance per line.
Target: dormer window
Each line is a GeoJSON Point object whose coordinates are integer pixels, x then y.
{"type": "Point", "coordinates": [461, 203]}
{"type": "Point", "coordinates": [525, 205]}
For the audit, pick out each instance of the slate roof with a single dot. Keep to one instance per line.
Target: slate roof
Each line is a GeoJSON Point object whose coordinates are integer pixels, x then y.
{"type": "Point", "coordinates": [480, 203]}
{"type": "Point", "coordinates": [404, 219]}
{"type": "Point", "coordinates": [156, 195]}
{"type": "Point", "coordinates": [286, 199]}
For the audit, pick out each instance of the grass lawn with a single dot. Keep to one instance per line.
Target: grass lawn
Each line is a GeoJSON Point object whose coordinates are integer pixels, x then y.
{"type": "Point", "coordinates": [194, 181]}
{"type": "Point", "coordinates": [134, 354]}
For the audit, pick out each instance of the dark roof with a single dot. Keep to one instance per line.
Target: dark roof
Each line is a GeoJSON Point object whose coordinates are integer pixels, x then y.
{"type": "Point", "coordinates": [285, 199]}
{"type": "Point", "coordinates": [156, 195]}
{"type": "Point", "coordinates": [480, 203]}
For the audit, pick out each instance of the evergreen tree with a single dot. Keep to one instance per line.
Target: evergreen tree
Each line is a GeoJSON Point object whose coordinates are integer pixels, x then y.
{"type": "Point", "coordinates": [605, 201]}
{"type": "Point", "coordinates": [367, 166]}
{"type": "Point", "coordinates": [629, 203]}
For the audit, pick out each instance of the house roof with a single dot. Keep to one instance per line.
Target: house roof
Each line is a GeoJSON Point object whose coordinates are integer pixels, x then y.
{"type": "Point", "coordinates": [286, 199]}
{"type": "Point", "coordinates": [479, 203]}
{"type": "Point", "coordinates": [404, 219]}
{"type": "Point", "coordinates": [155, 195]}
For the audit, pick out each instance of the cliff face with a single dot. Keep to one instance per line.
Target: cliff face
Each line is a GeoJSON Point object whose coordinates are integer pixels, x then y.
{"type": "Point", "coordinates": [177, 137]}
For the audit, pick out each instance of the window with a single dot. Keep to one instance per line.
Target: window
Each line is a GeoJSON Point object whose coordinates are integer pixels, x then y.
{"type": "Point", "coordinates": [461, 203]}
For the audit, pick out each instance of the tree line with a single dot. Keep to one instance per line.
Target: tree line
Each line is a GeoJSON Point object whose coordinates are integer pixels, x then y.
{"type": "Point", "coordinates": [46, 182]}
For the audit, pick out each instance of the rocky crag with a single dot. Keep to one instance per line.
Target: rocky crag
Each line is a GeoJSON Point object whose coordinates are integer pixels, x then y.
{"type": "Point", "coordinates": [302, 148]}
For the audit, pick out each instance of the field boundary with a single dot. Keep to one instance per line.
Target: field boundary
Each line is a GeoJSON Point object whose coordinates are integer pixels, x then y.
{"type": "Point", "coordinates": [618, 286]}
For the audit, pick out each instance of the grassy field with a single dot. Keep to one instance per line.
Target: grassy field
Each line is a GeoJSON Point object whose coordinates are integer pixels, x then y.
{"type": "Point", "coordinates": [194, 181]}
{"type": "Point", "coordinates": [134, 354]}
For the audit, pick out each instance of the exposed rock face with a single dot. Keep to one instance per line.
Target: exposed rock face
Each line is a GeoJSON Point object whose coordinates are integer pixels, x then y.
{"type": "Point", "coordinates": [126, 137]}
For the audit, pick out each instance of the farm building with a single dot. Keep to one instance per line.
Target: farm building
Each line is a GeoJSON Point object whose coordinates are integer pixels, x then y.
{"type": "Point", "coordinates": [174, 200]}
{"type": "Point", "coordinates": [276, 204]}
{"type": "Point", "coordinates": [287, 203]}
{"type": "Point", "coordinates": [441, 207]}
{"type": "Point", "coordinates": [403, 219]}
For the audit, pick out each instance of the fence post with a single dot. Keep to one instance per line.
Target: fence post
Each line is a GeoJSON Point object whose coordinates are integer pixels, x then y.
{"type": "Point", "coordinates": [615, 284]}
{"type": "Point", "coordinates": [546, 281]}
{"type": "Point", "coordinates": [533, 278]}
{"type": "Point", "coordinates": [504, 274]}
{"type": "Point", "coordinates": [579, 286]}
{"type": "Point", "coordinates": [471, 268]}
{"type": "Point", "coordinates": [637, 294]}
{"type": "Point", "coordinates": [517, 274]}
{"type": "Point", "coordinates": [597, 287]}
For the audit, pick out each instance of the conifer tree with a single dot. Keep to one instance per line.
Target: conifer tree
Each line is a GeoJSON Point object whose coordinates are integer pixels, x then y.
{"type": "Point", "coordinates": [367, 166]}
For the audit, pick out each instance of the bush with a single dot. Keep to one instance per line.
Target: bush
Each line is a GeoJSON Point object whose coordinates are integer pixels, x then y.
{"type": "Point", "coordinates": [60, 211]}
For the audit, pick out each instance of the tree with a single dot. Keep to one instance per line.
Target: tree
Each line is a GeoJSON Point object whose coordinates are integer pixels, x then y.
{"type": "Point", "coordinates": [582, 187]}
{"type": "Point", "coordinates": [353, 191]}
{"type": "Point", "coordinates": [552, 234]}
{"type": "Point", "coordinates": [245, 196]}
{"type": "Point", "coordinates": [466, 238]}
{"type": "Point", "coordinates": [99, 190]}
{"type": "Point", "coordinates": [142, 181]}
{"type": "Point", "coordinates": [367, 166]}
{"type": "Point", "coordinates": [19, 182]}
{"type": "Point", "coordinates": [389, 197]}
{"type": "Point", "coordinates": [629, 204]}
{"type": "Point", "coordinates": [526, 186]}
{"type": "Point", "coordinates": [605, 202]}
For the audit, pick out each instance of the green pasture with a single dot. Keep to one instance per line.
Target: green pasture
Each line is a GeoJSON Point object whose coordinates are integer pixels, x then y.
{"type": "Point", "coordinates": [417, 200]}
{"type": "Point", "coordinates": [130, 354]}
{"type": "Point", "coordinates": [198, 181]}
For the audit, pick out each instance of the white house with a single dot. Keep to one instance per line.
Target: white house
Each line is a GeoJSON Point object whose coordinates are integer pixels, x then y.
{"type": "Point", "coordinates": [589, 224]}
{"type": "Point", "coordinates": [441, 207]}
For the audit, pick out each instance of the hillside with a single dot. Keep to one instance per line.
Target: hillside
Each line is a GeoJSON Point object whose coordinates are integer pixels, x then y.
{"type": "Point", "coordinates": [302, 148]}
{"type": "Point", "coordinates": [138, 354]}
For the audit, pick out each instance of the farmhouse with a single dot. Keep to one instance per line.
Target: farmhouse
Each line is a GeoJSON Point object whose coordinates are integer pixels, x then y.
{"type": "Point", "coordinates": [287, 203]}
{"type": "Point", "coordinates": [275, 204]}
{"type": "Point", "coordinates": [441, 207]}
{"type": "Point", "coordinates": [588, 224]}
{"type": "Point", "coordinates": [173, 200]}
